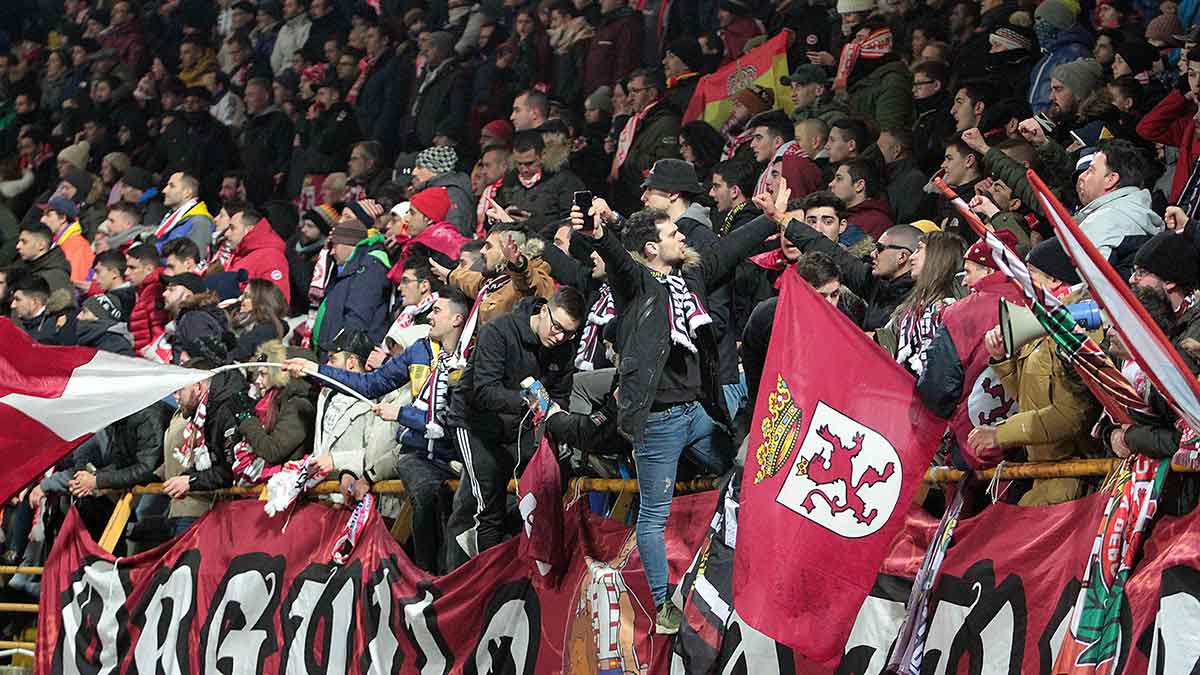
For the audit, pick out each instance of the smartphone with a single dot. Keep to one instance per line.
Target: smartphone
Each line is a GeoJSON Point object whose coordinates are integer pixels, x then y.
{"type": "Point", "coordinates": [583, 200]}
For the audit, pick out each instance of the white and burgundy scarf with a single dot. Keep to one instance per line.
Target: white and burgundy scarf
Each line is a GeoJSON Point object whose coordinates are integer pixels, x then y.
{"type": "Point", "coordinates": [172, 219]}
{"type": "Point", "coordinates": [193, 453]}
{"type": "Point", "coordinates": [602, 311]}
{"type": "Point", "coordinates": [625, 141]}
{"type": "Point", "coordinates": [411, 312]}
{"type": "Point", "coordinates": [489, 193]}
{"type": "Point", "coordinates": [344, 546]}
{"type": "Point", "coordinates": [466, 342]}
{"type": "Point", "coordinates": [789, 149]}
{"type": "Point", "coordinates": [432, 397]}
{"type": "Point", "coordinates": [685, 311]}
{"type": "Point", "coordinates": [875, 46]}
{"type": "Point", "coordinates": [735, 137]}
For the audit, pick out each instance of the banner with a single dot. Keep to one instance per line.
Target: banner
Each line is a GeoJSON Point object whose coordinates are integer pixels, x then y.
{"type": "Point", "coordinates": [830, 467]}
{"type": "Point", "coordinates": [236, 595]}
{"type": "Point", "coordinates": [764, 65]}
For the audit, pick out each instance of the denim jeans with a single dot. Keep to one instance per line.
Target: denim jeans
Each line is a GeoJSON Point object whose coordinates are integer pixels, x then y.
{"type": "Point", "coordinates": [669, 434]}
{"type": "Point", "coordinates": [736, 396]}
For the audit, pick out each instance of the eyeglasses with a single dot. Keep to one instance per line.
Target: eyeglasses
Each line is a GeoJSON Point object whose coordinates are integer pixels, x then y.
{"type": "Point", "coordinates": [557, 327]}
{"type": "Point", "coordinates": [880, 248]}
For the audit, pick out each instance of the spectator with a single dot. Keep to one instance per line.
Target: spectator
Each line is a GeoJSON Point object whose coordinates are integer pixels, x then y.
{"type": "Point", "coordinates": [188, 216]}
{"type": "Point", "coordinates": [121, 229]}
{"type": "Point", "coordinates": [181, 255]}
{"type": "Point", "coordinates": [365, 171]}
{"type": "Point", "coordinates": [377, 94]}
{"type": "Point", "coordinates": [511, 270]}
{"type": "Point", "coordinates": [747, 103]}
{"type": "Point", "coordinates": [530, 110]}
{"type": "Point", "coordinates": [931, 101]}
{"type": "Point", "coordinates": [302, 251]}
{"type": "Point", "coordinates": [961, 169]}
{"type": "Point", "coordinates": [1173, 122]}
{"type": "Point", "coordinates": [738, 27]}
{"type": "Point", "coordinates": [417, 296]}
{"type": "Point", "coordinates": [265, 142]}
{"type": "Point", "coordinates": [811, 96]}
{"type": "Point", "coordinates": [539, 192]}
{"type": "Point", "coordinates": [775, 147]}
{"type": "Point", "coordinates": [282, 428]}
{"type": "Point", "coordinates": [193, 310]}
{"type": "Point", "coordinates": [260, 318]}
{"type": "Point", "coordinates": [700, 145]}
{"type": "Point", "coordinates": [61, 216]}
{"type": "Point", "coordinates": [110, 278]}
{"type": "Point", "coordinates": [1062, 40]}
{"type": "Point", "coordinates": [877, 82]}
{"type": "Point", "coordinates": [681, 64]}
{"type": "Point", "coordinates": [1116, 205]}
{"type": "Point", "coordinates": [39, 256]}
{"type": "Point", "coordinates": [148, 318]}
{"type": "Point", "coordinates": [258, 250]}
{"type": "Point", "coordinates": [613, 52]}
{"type": "Point", "coordinates": [434, 168]}
{"type": "Point", "coordinates": [429, 235]}
{"type": "Point", "coordinates": [825, 212]}
{"type": "Point", "coordinates": [905, 182]}
{"type": "Point", "coordinates": [488, 411]}
{"type": "Point", "coordinates": [856, 183]}
{"type": "Point", "coordinates": [291, 36]}
{"type": "Point", "coordinates": [100, 324]}
{"type": "Point", "coordinates": [849, 138]}
{"type": "Point", "coordinates": [358, 294]}
{"type": "Point", "coordinates": [32, 308]}
{"type": "Point", "coordinates": [440, 100]}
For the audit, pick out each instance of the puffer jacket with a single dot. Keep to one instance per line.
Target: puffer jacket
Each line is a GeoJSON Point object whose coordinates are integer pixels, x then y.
{"type": "Point", "coordinates": [148, 318]}
{"type": "Point", "coordinates": [261, 253]}
{"type": "Point", "coordinates": [352, 434]}
{"type": "Point", "coordinates": [549, 201]}
{"type": "Point", "coordinates": [643, 340]}
{"type": "Point", "coordinates": [885, 95]}
{"type": "Point", "coordinates": [357, 297]}
{"type": "Point", "coordinates": [135, 448]}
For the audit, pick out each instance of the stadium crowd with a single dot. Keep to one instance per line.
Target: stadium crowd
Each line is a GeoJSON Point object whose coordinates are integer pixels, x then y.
{"type": "Point", "coordinates": [428, 202]}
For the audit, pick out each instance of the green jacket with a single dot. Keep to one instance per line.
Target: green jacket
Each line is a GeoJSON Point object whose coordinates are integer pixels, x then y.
{"type": "Point", "coordinates": [885, 95]}
{"type": "Point", "coordinates": [827, 109]}
{"type": "Point", "coordinates": [657, 137]}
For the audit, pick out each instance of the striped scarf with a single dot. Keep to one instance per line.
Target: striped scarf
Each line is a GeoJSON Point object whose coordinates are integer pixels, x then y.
{"type": "Point", "coordinates": [466, 342]}
{"type": "Point", "coordinates": [625, 141]}
{"type": "Point", "coordinates": [602, 311]}
{"type": "Point", "coordinates": [172, 219]}
{"type": "Point", "coordinates": [432, 397]}
{"type": "Point", "coordinates": [685, 311]}
{"type": "Point", "coordinates": [344, 546]}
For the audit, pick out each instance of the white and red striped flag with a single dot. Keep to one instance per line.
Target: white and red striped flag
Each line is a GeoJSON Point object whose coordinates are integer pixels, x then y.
{"type": "Point", "coordinates": [1146, 341]}
{"type": "Point", "coordinates": [54, 398]}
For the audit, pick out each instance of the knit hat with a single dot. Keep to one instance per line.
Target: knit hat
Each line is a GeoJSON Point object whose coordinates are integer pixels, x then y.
{"type": "Point", "coordinates": [981, 254]}
{"type": "Point", "coordinates": [349, 232]}
{"type": "Point", "coordinates": [852, 6]}
{"type": "Point", "coordinates": [81, 180]}
{"type": "Point", "coordinates": [438, 158]}
{"type": "Point", "coordinates": [137, 178]}
{"type": "Point", "coordinates": [1053, 261]}
{"type": "Point", "coordinates": [805, 73]}
{"type": "Point", "coordinates": [1012, 38]}
{"type": "Point", "coordinates": [189, 280]}
{"type": "Point", "coordinates": [1139, 55]}
{"type": "Point", "coordinates": [1057, 13]}
{"type": "Point", "coordinates": [756, 99]}
{"type": "Point", "coordinates": [434, 202]}
{"type": "Point", "coordinates": [366, 210]}
{"type": "Point", "coordinates": [104, 308]}
{"type": "Point", "coordinates": [1082, 77]}
{"type": "Point", "coordinates": [76, 155]}
{"type": "Point", "coordinates": [601, 99]}
{"type": "Point", "coordinates": [687, 49]}
{"type": "Point", "coordinates": [119, 161]}
{"type": "Point", "coordinates": [500, 129]}
{"type": "Point", "coordinates": [1170, 257]}
{"type": "Point", "coordinates": [62, 205]}
{"type": "Point", "coordinates": [323, 216]}
{"type": "Point", "coordinates": [1165, 27]}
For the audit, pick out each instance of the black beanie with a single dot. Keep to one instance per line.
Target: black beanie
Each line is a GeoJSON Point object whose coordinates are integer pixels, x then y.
{"type": "Point", "coordinates": [1170, 257]}
{"type": "Point", "coordinates": [1053, 261]}
{"type": "Point", "coordinates": [688, 51]}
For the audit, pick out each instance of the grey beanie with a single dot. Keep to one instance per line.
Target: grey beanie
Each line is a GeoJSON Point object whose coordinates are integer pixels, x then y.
{"type": "Point", "coordinates": [1057, 13]}
{"type": "Point", "coordinates": [601, 99]}
{"type": "Point", "coordinates": [1082, 77]}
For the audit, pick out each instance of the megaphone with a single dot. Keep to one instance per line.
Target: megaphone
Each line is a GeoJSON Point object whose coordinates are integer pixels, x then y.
{"type": "Point", "coordinates": [1018, 325]}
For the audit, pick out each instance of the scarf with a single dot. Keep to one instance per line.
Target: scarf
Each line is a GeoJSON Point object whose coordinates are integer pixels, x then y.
{"type": "Point", "coordinates": [42, 154]}
{"type": "Point", "coordinates": [222, 255]}
{"type": "Point", "coordinates": [789, 149]}
{"type": "Point", "coordinates": [364, 66]}
{"type": "Point", "coordinates": [875, 46]}
{"type": "Point", "coordinates": [1189, 197]}
{"type": "Point", "coordinates": [67, 232]}
{"type": "Point", "coordinates": [673, 82]}
{"type": "Point", "coordinates": [193, 452]}
{"type": "Point", "coordinates": [173, 218]}
{"type": "Point", "coordinates": [685, 311]}
{"type": "Point", "coordinates": [625, 141]}
{"type": "Point", "coordinates": [467, 339]}
{"type": "Point", "coordinates": [602, 311]}
{"type": "Point", "coordinates": [727, 226]}
{"type": "Point", "coordinates": [489, 193]}
{"type": "Point", "coordinates": [432, 397]}
{"type": "Point", "coordinates": [286, 482]}
{"type": "Point", "coordinates": [411, 312]}
{"type": "Point", "coordinates": [344, 546]}
{"type": "Point", "coordinates": [528, 183]}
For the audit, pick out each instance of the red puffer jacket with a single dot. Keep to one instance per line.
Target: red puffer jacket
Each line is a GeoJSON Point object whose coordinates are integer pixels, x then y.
{"type": "Point", "coordinates": [261, 254]}
{"type": "Point", "coordinates": [148, 317]}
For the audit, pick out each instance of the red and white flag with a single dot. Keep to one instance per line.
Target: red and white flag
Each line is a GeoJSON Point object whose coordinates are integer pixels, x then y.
{"type": "Point", "coordinates": [839, 446]}
{"type": "Point", "coordinates": [1146, 341]}
{"type": "Point", "coordinates": [539, 495]}
{"type": "Point", "coordinates": [54, 398]}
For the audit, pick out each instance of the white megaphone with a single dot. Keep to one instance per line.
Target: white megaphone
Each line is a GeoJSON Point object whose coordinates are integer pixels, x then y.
{"type": "Point", "coordinates": [1019, 326]}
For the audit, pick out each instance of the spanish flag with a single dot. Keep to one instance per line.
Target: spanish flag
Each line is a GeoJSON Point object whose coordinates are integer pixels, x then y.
{"type": "Point", "coordinates": [764, 65]}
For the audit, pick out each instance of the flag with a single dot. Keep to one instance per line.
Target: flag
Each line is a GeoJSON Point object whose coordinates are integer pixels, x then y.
{"type": "Point", "coordinates": [1075, 347]}
{"type": "Point", "coordinates": [839, 446]}
{"type": "Point", "coordinates": [1092, 645]}
{"type": "Point", "coordinates": [1145, 340]}
{"type": "Point", "coordinates": [764, 65]}
{"type": "Point", "coordinates": [539, 498]}
{"type": "Point", "coordinates": [54, 398]}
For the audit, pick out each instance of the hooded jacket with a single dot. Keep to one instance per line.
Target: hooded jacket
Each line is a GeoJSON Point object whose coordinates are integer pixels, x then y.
{"type": "Point", "coordinates": [1125, 212]}
{"type": "Point", "coordinates": [227, 402]}
{"type": "Point", "coordinates": [353, 435]}
{"type": "Point", "coordinates": [872, 216]}
{"type": "Point", "coordinates": [357, 297]}
{"type": "Point", "coordinates": [261, 254]}
{"type": "Point", "coordinates": [1069, 45]}
{"type": "Point", "coordinates": [462, 201]}
{"type": "Point", "coordinates": [198, 317]}
{"type": "Point", "coordinates": [110, 336]}
{"type": "Point", "coordinates": [53, 267]}
{"type": "Point", "coordinates": [292, 436]}
{"type": "Point", "coordinates": [1173, 122]}
{"type": "Point", "coordinates": [533, 278]}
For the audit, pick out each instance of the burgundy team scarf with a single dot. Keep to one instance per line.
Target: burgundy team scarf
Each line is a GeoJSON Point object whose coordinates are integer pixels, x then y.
{"type": "Point", "coordinates": [602, 312]}
{"type": "Point", "coordinates": [432, 397]}
{"type": "Point", "coordinates": [685, 311]}
{"type": "Point", "coordinates": [466, 342]}
{"type": "Point", "coordinates": [875, 46]}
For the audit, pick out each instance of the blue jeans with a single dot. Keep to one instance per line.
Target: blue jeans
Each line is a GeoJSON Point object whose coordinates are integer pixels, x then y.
{"type": "Point", "coordinates": [181, 525]}
{"type": "Point", "coordinates": [736, 396]}
{"type": "Point", "coordinates": [684, 428]}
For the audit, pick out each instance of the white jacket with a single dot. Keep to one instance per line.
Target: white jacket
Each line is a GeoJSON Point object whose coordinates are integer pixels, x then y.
{"type": "Point", "coordinates": [292, 37]}
{"type": "Point", "coordinates": [351, 433]}
{"type": "Point", "coordinates": [1124, 212]}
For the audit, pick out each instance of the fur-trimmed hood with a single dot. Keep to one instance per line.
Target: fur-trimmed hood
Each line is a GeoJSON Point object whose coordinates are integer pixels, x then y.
{"type": "Point", "coordinates": [60, 300]}
{"type": "Point", "coordinates": [557, 151]}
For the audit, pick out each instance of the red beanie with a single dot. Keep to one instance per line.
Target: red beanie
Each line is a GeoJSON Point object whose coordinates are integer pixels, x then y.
{"type": "Point", "coordinates": [500, 129]}
{"type": "Point", "coordinates": [434, 202]}
{"type": "Point", "coordinates": [980, 253]}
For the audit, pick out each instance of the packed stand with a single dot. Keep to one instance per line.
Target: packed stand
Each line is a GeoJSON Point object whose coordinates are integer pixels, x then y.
{"type": "Point", "coordinates": [414, 207]}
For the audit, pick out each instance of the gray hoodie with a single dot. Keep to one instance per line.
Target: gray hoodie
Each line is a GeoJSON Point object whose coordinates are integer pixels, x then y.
{"type": "Point", "coordinates": [1124, 212]}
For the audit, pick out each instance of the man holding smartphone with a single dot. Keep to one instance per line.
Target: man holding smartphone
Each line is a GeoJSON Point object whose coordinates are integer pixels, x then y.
{"type": "Point", "coordinates": [537, 191]}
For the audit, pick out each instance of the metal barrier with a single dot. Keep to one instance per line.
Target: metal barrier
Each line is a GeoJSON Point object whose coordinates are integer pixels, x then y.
{"type": "Point", "coordinates": [1079, 468]}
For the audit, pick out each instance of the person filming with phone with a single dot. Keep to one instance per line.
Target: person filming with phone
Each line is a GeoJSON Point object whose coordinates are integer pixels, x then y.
{"type": "Point", "coordinates": [537, 190]}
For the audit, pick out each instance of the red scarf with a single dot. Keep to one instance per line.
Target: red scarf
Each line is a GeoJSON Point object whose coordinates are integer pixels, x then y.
{"type": "Point", "coordinates": [489, 193]}
{"type": "Point", "coordinates": [625, 141]}
{"type": "Point", "coordinates": [876, 46]}
{"type": "Point", "coordinates": [364, 67]}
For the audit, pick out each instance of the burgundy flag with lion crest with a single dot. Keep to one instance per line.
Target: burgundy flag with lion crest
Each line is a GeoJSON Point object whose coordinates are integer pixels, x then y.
{"type": "Point", "coordinates": [838, 448]}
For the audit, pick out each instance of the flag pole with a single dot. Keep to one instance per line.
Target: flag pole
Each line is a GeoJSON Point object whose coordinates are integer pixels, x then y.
{"type": "Point", "coordinates": [318, 375]}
